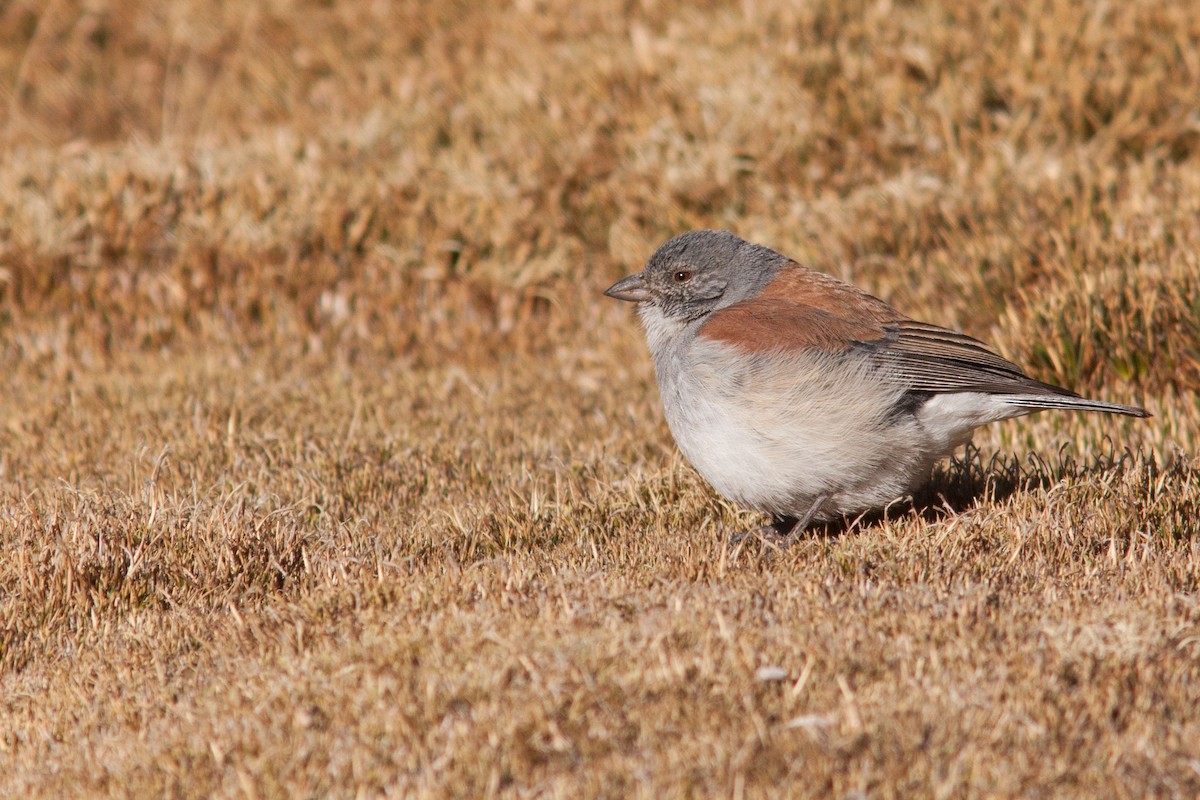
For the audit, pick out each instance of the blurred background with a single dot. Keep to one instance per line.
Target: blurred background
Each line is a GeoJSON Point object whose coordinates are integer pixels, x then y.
{"type": "Point", "coordinates": [317, 175]}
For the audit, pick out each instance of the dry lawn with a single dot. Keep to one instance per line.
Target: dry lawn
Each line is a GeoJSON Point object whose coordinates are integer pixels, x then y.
{"type": "Point", "coordinates": [325, 469]}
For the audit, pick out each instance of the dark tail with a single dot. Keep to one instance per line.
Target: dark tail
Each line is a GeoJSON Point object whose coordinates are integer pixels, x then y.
{"type": "Point", "coordinates": [1035, 402]}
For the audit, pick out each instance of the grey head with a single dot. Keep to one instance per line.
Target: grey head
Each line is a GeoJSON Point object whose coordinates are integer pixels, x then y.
{"type": "Point", "coordinates": [700, 272]}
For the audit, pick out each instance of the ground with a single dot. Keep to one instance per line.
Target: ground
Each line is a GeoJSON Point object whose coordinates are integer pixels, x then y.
{"type": "Point", "coordinates": [325, 469]}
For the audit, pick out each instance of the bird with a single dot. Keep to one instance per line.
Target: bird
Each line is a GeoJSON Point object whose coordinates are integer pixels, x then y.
{"type": "Point", "coordinates": [801, 396]}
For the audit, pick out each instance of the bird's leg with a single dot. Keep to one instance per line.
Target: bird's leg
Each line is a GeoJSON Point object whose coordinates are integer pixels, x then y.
{"type": "Point", "coordinates": [783, 532]}
{"type": "Point", "coordinates": [793, 535]}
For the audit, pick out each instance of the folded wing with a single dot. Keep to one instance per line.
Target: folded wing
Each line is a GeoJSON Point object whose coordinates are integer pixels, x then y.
{"type": "Point", "coordinates": [922, 359]}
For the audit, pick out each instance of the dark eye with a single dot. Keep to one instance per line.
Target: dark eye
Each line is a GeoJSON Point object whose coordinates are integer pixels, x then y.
{"type": "Point", "coordinates": [683, 276]}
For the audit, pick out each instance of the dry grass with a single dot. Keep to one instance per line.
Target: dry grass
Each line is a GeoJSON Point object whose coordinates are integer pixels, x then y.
{"type": "Point", "coordinates": [324, 469]}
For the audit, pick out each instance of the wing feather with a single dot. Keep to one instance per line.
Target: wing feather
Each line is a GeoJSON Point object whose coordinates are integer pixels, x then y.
{"type": "Point", "coordinates": [918, 356]}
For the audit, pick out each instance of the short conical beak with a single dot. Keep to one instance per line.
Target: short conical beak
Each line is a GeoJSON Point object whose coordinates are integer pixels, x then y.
{"type": "Point", "coordinates": [632, 288]}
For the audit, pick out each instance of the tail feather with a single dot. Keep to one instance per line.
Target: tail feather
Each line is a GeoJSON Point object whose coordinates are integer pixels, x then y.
{"type": "Point", "coordinates": [1040, 401]}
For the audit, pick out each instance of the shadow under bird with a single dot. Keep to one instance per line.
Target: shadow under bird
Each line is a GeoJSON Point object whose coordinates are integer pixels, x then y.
{"type": "Point", "coordinates": [801, 396]}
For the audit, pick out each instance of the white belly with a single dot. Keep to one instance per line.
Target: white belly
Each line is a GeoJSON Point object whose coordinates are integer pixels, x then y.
{"type": "Point", "coordinates": [776, 439]}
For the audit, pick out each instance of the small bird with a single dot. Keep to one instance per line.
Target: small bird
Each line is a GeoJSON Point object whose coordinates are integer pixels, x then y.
{"type": "Point", "coordinates": [801, 396]}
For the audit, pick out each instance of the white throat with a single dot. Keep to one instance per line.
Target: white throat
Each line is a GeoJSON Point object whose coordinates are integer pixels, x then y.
{"type": "Point", "coordinates": [662, 332]}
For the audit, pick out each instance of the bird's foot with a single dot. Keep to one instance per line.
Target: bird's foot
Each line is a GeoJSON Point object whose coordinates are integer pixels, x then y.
{"type": "Point", "coordinates": [782, 532]}
{"type": "Point", "coordinates": [776, 537]}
